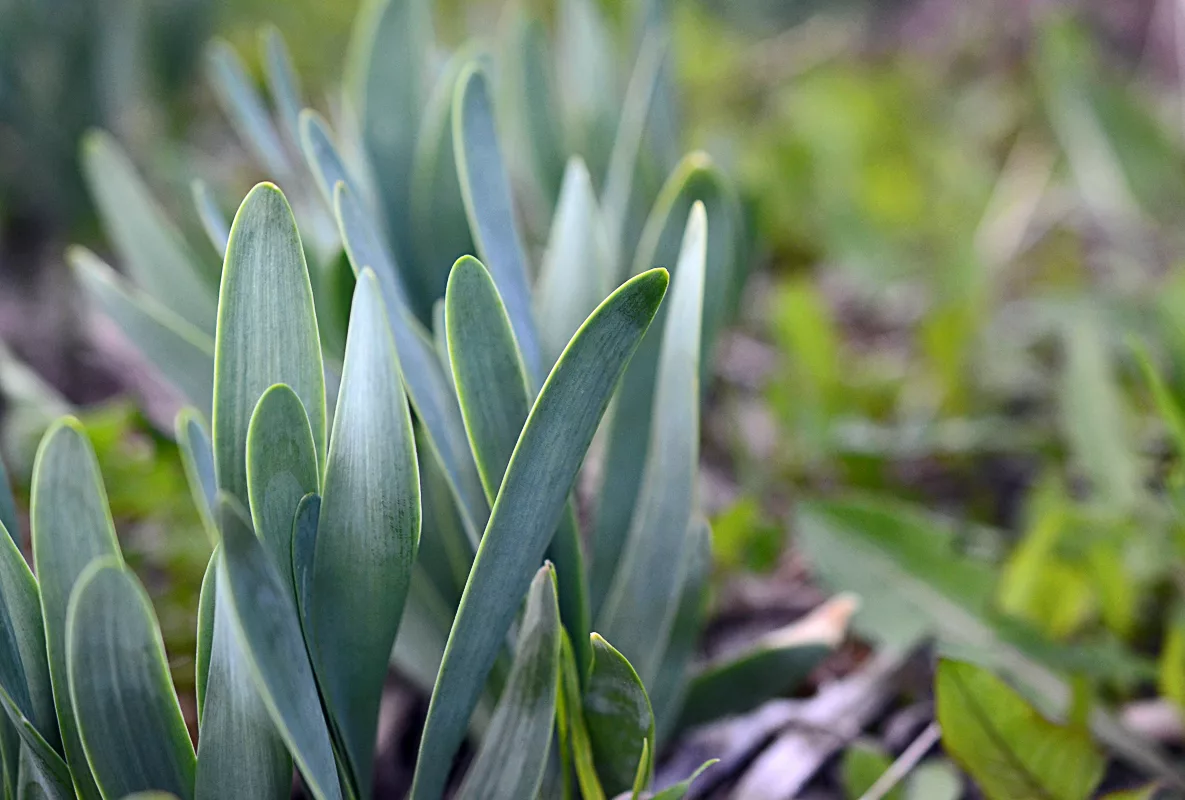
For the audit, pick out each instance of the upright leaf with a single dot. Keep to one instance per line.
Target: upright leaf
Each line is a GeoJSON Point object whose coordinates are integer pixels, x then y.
{"type": "Point", "coordinates": [619, 718]}
{"type": "Point", "coordinates": [197, 459]}
{"type": "Point", "coordinates": [41, 771]}
{"type": "Point", "coordinates": [155, 254]}
{"type": "Point", "coordinates": [281, 469]}
{"type": "Point", "coordinates": [8, 515]}
{"type": "Point", "coordinates": [641, 606]}
{"type": "Point", "coordinates": [489, 205]}
{"type": "Point", "coordinates": [530, 503]}
{"type": "Point", "coordinates": [514, 749]}
{"type": "Point", "coordinates": [24, 671]}
{"type": "Point", "coordinates": [245, 110]}
{"type": "Point", "coordinates": [1010, 749]}
{"type": "Point", "coordinates": [213, 220]}
{"type": "Point", "coordinates": [182, 353]}
{"type": "Point", "coordinates": [282, 81]}
{"type": "Point", "coordinates": [588, 80]}
{"type": "Point", "coordinates": [71, 527]}
{"type": "Point", "coordinates": [116, 660]}
{"type": "Point", "coordinates": [267, 331]}
{"type": "Point", "coordinates": [268, 629]}
{"type": "Point", "coordinates": [365, 246]}
{"type": "Point", "coordinates": [367, 533]}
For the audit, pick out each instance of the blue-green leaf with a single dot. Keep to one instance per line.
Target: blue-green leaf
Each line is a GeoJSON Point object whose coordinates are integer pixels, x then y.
{"type": "Point", "coordinates": [245, 110]}
{"type": "Point", "coordinates": [116, 660]}
{"type": "Point", "coordinates": [213, 220]}
{"type": "Point", "coordinates": [182, 353]}
{"type": "Point", "coordinates": [323, 157]}
{"type": "Point", "coordinates": [267, 331]}
{"type": "Point", "coordinates": [71, 527]}
{"type": "Point", "coordinates": [8, 515]}
{"type": "Point", "coordinates": [239, 752]}
{"type": "Point", "coordinates": [24, 670]}
{"type": "Point", "coordinates": [588, 80]}
{"type": "Point", "coordinates": [42, 772]}
{"type": "Point", "coordinates": [529, 506]}
{"type": "Point", "coordinates": [304, 548]}
{"type": "Point", "coordinates": [640, 610]}
{"type": "Point", "coordinates": [155, 254]}
{"type": "Point", "coordinates": [533, 101]}
{"type": "Point", "coordinates": [282, 81]}
{"type": "Point", "coordinates": [281, 469]}
{"type": "Point", "coordinates": [368, 531]}
{"type": "Point", "coordinates": [489, 205]}
{"type": "Point", "coordinates": [365, 246]}
{"type": "Point", "coordinates": [265, 618]}
{"type": "Point", "coordinates": [577, 272]}
{"type": "Point", "coordinates": [514, 749]}
{"type": "Point", "coordinates": [197, 459]}
{"type": "Point", "coordinates": [619, 718]}
{"type": "Point", "coordinates": [495, 395]}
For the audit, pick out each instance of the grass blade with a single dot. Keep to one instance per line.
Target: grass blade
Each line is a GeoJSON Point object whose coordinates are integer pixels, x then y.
{"type": "Point", "coordinates": [24, 670]}
{"type": "Point", "coordinates": [183, 354]}
{"type": "Point", "coordinates": [8, 515]}
{"type": "Point", "coordinates": [577, 272]}
{"type": "Point", "coordinates": [155, 254]}
{"type": "Point", "coordinates": [268, 629]}
{"type": "Point", "coordinates": [245, 110]}
{"type": "Point", "coordinates": [267, 331]}
{"type": "Point", "coordinates": [495, 395]}
{"type": "Point", "coordinates": [489, 205]}
{"type": "Point", "coordinates": [644, 599]}
{"type": "Point", "coordinates": [281, 469]}
{"type": "Point", "coordinates": [514, 750]}
{"type": "Point", "coordinates": [574, 733]}
{"type": "Point", "coordinates": [239, 752]}
{"type": "Point", "coordinates": [530, 504]}
{"type": "Point", "coordinates": [370, 507]}
{"type": "Point", "coordinates": [71, 527]}
{"type": "Point", "coordinates": [619, 719]}
{"type": "Point", "coordinates": [117, 660]}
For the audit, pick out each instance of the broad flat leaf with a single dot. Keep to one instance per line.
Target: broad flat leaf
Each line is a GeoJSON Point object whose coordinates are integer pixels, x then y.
{"type": "Point", "coordinates": [775, 665]}
{"type": "Point", "coordinates": [213, 220]}
{"type": "Point", "coordinates": [489, 205]}
{"type": "Point", "coordinates": [861, 766]}
{"type": "Point", "coordinates": [678, 790]}
{"type": "Point", "coordinates": [643, 600]}
{"type": "Point", "coordinates": [577, 271]}
{"type": "Point", "coordinates": [670, 686]}
{"type": "Point", "coordinates": [245, 110]}
{"type": "Point", "coordinates": [368, 531]}
{"type": "Point", "coordinates": [439, 226]}
{"type": "Point", "coordinates": [267, 331]}
{"type": "Point", "coordinates": [268, 630]}
{"type": "Point", "coordinates": [154, 253]}
{"type": "Point", "coordinates": [281, 469]}
{"type": "Point", "coordinates": [386, 83]}
{"type": "Point", "coordinates": [573, 736]}
{"type": "Point", "coordinates": [618, 717]}
{"type": "Point", "coordinates": [513, 752]}
{"type": "Point", "coordinates": [628, 438]}
{"type": "Point", "coordinates": [197, 459]}
{"type": "Point", "coordinates": [8, 515]}
{"type": "Point", "coordinates": [1011, 751]}
{"type": "Point", "coordinates": [623, 161]}
{"type": "Point", "coordinates": [430, 391]}
{"type": "Point", "coordinates": [529, 506]}
{"type": "Point", "coordinates": [117, 660]}
{"type": "Point", "coordinates": [71, 527]}
{"type": "Point", "coordinates": [282, 80]}
{"type": "Point", "coordinates": [182, 353]}
{"type": "Point", "coordinates": [24, 671]}
{"type": "Point", "coordinates": [239, 751]}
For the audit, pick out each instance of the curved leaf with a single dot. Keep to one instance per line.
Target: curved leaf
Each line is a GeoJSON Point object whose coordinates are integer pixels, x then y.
{"type": "Point", "coordinates": [117, 660]}
{"type": "Point", "coordinates": [1010, 749]}
{"type": "Point", "coordinates": [197, 459]}
{"type": "Point", "coordinates": [365, 246]}
{"type": "Point", "coordinates": [495, 395]}
{"type": "Point", "coordinates": [183, 354]}
{"type": "Point", "coordinates": [643, 600]}
{"type": "Point", "coordinates": [530, 504]}
{"type": "Point", "coordinates": [24, 670]}
{"type": "Point", "coordinates": [323, 157]}
{"type": "Point", "coordinates": [514, 750]}
{"type": "Point", "coordinates": [261, 607]}
{"type": "Point", "coordinates": [41, 769]}
{"type": "Point", "coordinates": [619, 718]}
{"type": "Point", "coordinates": [245, 110]}
{"type": "Point", "coordinates": [213, 220]}
{"type": "Point", "coordinates": [239, 753]}
{"type": "Point", "coordinates": [71, 527]}
{"type": "Point", "coordinates": [8, 515]}
{"type": "Point", "coordinates": [282, 80]}
{"type": "Point", "coordinates": [155, 254]}
{"type": "Point", "coordinates": [680, 789]}
{"type": "Point", "coordinates": [368, 531]}
{"type": "Point", "coordinates": [577, 273]}
{"type": "Point", "coordinates": [776, 664]}
{"type": "Point", "coordinates": [281, 469]}
{"type": "Point", "coordinates": [489, 205]}
{"type": "Point", "coordinates": [304, 548]}
{"type": "Point", "coordinates": [573, 733]}
{"type": "Point", "coordinates": [267, 331]}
